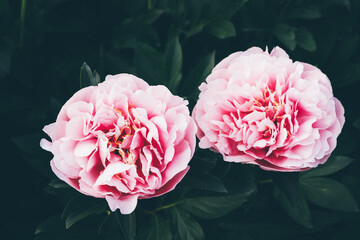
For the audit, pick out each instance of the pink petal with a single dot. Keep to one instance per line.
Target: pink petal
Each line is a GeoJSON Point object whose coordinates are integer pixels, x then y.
{"type": "Point", "coordinates": [171, 184]}
{"type": "Point", "coordinates": [126, 204]}
{"type": "Point", "coordinates": [110, 170]}
{"type": "Point", "coordinates": [45, 144]}
{"type": "Point", "coordinates": [85, 148]}
{"type": "Point", "coordinates": [179, 162]}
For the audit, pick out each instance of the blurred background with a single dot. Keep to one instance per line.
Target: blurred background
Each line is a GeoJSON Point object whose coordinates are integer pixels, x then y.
{"type": "Point", "coordinates": [43, 44]}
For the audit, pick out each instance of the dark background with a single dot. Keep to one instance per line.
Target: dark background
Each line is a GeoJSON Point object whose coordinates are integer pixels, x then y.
{"type": "Point", "coordinates": [43, 44]}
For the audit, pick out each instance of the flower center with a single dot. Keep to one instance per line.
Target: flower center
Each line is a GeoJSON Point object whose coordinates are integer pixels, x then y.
{"type": "Point", "coordinates": [121, 137]}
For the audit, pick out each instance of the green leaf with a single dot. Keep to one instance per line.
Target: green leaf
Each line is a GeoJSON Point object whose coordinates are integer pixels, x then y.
{"type": "Point", "coordinates": [155, 229]}
{"type": "Point", "coordinates": [88, 78]}
{"type": "Point", "coordinates": [174, 61]}
{"type": "Point", "coordinates": [5, 55]}
{"type": "Point", "coordinates": [299, 211]}
{"type": "Point", "coordinates": [350, 74]}
{"type": "Point", "coordinates": [285, 34]}
{"type": "Point", "coordinates": [194, 29]}
{"type": "Point", "coordinates": [357, 123]}
{"type": "Point", "coordinates": [204, 181]}
{"type": "Point", "coordinates": [81, 207]}
{"type": "Point", "coordinates": [231, 8]}
{"type": "Point", "coordinates": [187, 227]}
{"type": "Point", "coordinates": [143, 19]}
{"type": "Point", "coordinates": [32, 153]}
{"type": "Point", "coordinates": [28, 143]}
{"type": "Point", "coordinates": [110, 224]}
{"type": "Point", "coordinates": [14, 103]}
{"type": "Point", "coordinates": [328, 193]}
{"type": "Point", "coordinates": [221, 29]}
{"type": "Point", "coordinates": [55, 107]}
{"type": "Point", "coordinates": [198, 75]}
{"type": "Point", "coordinates": [214, 207]}
{"type": "Point", "coordinates": [51, 224]}
{"type": "Point", "coordinates": [305, 39]}
{"type": "Point", "coordinates": [149, 64]}
{"type": "Point", "coordinates": [345, 49]}
{"type": "Point", "coordinates": [306, 12]}
{"type": "Point", "coordinates": [128, 225]}
{"type": "Point", "coordinates": [57, 183]}
{"type": "Point", "coordinates": [332, 165]}
{"type": "Point", "coordinates": [288, 184]}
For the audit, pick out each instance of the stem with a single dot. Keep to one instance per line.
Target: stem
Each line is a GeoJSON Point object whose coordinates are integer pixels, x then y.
{"type": "Point", "coordinates": [163, 207]}
{"type": "Point", "coordinates": [22, 22]}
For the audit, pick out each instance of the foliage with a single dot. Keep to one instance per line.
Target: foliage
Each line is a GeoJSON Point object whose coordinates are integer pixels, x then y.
{"type": "Point", "coordinates": [175, 43]}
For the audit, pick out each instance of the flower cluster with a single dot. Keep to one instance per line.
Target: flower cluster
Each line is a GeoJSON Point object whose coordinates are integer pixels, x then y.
{"type": "Point", "coordinates": [124, 140]}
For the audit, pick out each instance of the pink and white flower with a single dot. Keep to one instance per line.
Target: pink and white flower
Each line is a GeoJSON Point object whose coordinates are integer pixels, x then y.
{"type": "Point", "coordinates": [122, 140]}
{"type": "Point", "coordinates": [262, 108]}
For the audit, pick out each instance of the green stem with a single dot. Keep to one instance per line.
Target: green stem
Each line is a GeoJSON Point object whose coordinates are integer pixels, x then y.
{"type": "Point", "coordinates": [163, 207]}
{"type": "Point", "coordinates": [22, 22]}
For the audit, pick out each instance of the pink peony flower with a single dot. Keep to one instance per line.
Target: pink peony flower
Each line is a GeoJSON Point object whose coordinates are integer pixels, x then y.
{"type": "Point", "coordinates": [265, 109]}
{"type": "Point", "coordinates": [122, 140]}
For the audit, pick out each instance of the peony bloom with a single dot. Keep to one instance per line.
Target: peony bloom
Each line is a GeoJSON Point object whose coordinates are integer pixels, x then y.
{"type": "Point", "coordinates": [122, 140]}
{"type": "Point", "coordinates": [265, 109]}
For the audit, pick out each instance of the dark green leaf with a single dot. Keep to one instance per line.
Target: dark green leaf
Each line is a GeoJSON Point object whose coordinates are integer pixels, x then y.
{"type": "Point", "coordinates": [332, 165]}
{"type": "Point", "coordinates": [357, 123]}
{"type": "Point", "coordinates": [204, 181]}
{"type": "Point", "coordinates": [55, 107]}
{"type": "Point", "coordinates": [155, 229]}
{"type": "Point", "coordinates": [128, 225]}
{"type": "Point", "coordinates": [57, 183]}
{"type": "Point", "coordinates": [51, 224]}
{"type": "Point", "coordinates": [231, 8]}
{"type": "Point", "coordinates": [29, 144]}
{"type": "Point", "coordinates": [350, 74]}
{"type": "Point", "coordinates": [214, 207]}
{"type": "Point", "coordinates": [202, 164]}
{"type": "Point", "coordinates": [81, 207]}
{"type": "Point", "coordinates": [328, 193]}
{"type": "Point", "coordinates": [5, 14]}
{"type": "Point", "coordinates": [195, 29]}
{"type": "Point", "coordinates": [144, 19]}
{"type": "Point", "coordinates": [346, 48]}
{"type": "Point", "coordinates": [194, 9]}
{"type": "Point", "coordinates": [288, 184]}
{"type": "Point", "coordinates": [115, 236]}
{"type": "Point", "coordinates": [285, 34]}
{"type": "Point", "coordinates": [187, 227]}
{"type": "Point", "coordinates": [308, 12]}
{"type": "Point", "coordinates": [305, 39]}
{"type": "Point", "coordinates": [109, 225]}
{"type": "Point", "coordinates": [13, 103]}
{"type": "Point", "coordinates": [88, 78]}
{"type": "Point", "coordinates": [299, 212]}
{"type": "Point", "coordinates": [198, 74]}
{"type": "Point", "coordinates": [270, 226]}
{"type": "Point", "coordinates": [174, 64]}
{"type": "Point", "coordinates": [149, 64]}
{"type": "Point", "coordinates": [221, 29]}
{"type": "Point", "coordinates": [5, 55]}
